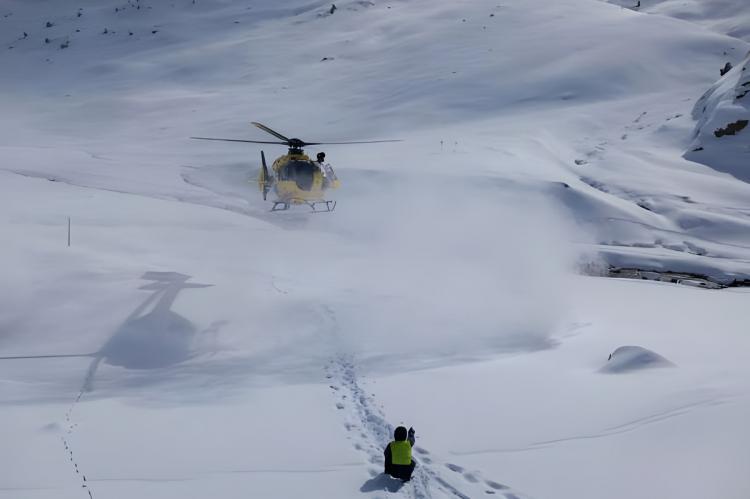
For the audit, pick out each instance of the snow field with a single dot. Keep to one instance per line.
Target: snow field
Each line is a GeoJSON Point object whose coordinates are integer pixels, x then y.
{"type": "Point", "coordinates": [190, 344]}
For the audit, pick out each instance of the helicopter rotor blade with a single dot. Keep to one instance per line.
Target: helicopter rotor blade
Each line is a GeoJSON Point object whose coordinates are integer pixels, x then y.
{"type": "Point", "coordinates": [266, 182]}
{"type": "Point", "coordinates": [268, 130]}
{"type": "Point", "coordinates": [239, 140]}
{"type": "Point", "coordinates": [356, 142]}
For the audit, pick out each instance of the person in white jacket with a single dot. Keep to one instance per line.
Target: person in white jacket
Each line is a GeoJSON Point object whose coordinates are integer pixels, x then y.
{"type": "Point", "coordinates": [329, 177]}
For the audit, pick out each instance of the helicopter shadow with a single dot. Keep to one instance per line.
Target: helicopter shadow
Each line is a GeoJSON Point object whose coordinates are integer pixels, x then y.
{"type": "Point", "coordinates": [153, 336]}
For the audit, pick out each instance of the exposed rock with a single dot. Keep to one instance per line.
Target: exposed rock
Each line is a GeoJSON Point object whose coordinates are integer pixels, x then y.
{"type": "Point", "coordinates": [731, 129]}
{"type": "Point", "coordinates": [722, 113]}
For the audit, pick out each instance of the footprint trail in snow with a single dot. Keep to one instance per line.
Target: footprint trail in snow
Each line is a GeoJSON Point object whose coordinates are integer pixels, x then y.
{"type": "Point", "coordinates": [370, 433]}
{"type": "Point", "coordinates": [70, 427]}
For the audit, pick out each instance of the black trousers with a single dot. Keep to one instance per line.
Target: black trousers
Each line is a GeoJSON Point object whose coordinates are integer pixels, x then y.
{"type": "Point", "coordinates": [401, 471]}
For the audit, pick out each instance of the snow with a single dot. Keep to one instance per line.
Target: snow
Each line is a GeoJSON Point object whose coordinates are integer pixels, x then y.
{"type": "Point", "coordinates": [632, 358]}
{"type": "Point", "coordinates": [188, 343]}
{"type": "Point", "coordinates": [721, 140]}
{"type": "Point", "coordinates": [730, 17]}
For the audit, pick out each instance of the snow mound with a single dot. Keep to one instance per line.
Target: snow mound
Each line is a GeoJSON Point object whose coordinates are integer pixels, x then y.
{"type": "Point", "coordinates": [633, 358]}
{"type": "Point", "coordinates": [722, 135]}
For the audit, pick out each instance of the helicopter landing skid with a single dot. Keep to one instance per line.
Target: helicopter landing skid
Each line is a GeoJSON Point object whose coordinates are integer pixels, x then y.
{"type": "Point", "coordinates": [315, 206]}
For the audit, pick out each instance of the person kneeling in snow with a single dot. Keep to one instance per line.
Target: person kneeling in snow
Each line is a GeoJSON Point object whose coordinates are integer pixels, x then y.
{"type": "Point", "coordinates": [398, 461]}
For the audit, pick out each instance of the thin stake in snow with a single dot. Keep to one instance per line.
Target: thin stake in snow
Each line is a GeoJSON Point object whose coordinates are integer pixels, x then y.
{"type": "Point", "coordinates": [68, 232]}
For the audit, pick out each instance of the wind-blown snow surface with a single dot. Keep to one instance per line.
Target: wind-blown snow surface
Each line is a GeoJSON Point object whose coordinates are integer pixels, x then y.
{"type": "Point", "coordinates": [190, 344]}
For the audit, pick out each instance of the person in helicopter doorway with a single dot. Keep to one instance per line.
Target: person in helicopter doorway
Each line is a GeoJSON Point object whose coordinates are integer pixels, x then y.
{"type": "Point", "coordinates": [329, 177]}
{"type": "Point", "coordinates": [398, 460]}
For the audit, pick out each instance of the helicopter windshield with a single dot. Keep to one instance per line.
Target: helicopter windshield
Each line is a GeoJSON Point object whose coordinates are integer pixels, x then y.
{"type": "Point", "coordinates": [300, 172]}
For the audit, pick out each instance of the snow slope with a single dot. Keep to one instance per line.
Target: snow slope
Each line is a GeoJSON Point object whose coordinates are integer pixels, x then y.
{"type": "Point", "coordinates": [721, 113]}
{"type": "Point", "coordinates": [190, 344]}
{"type": "Point", "coordinates": [721, 139]}
{"type": "Point", "coordinates": [731, 17]}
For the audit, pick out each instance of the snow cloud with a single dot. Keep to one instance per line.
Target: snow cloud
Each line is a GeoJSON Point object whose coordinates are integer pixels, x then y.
{"type": "Point", "coordinates": [480, 272]}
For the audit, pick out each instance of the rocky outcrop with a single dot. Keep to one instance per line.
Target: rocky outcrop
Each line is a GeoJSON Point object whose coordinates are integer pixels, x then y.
{"type": "Point", "coordinates": [722, 136]}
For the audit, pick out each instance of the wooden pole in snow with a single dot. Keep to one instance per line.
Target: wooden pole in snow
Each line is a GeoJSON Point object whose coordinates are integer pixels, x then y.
{"type": "Point", "coordinates": [68, 232]}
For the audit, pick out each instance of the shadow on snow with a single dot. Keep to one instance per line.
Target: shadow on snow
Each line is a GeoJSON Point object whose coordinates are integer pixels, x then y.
{"type": "Point", "coordinates": [382, 482]}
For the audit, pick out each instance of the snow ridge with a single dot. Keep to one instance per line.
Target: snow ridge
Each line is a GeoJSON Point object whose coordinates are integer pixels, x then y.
{"type": "Point", "coordinates": [722, 136]}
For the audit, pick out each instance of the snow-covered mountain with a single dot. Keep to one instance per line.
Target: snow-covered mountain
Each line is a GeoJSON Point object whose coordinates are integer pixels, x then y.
{"type": "Point", "coordinates": [723, 114]}
{"type": "Point", "coordinates": [188, 343]}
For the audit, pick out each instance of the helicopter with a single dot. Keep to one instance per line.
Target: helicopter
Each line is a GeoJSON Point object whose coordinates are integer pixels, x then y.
{"type": "Point", "coordinates": [294, 178]}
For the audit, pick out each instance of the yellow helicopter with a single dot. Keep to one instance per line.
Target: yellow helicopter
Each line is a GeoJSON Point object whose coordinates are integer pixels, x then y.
{"type": "Point", "coordinates": [294, 177]}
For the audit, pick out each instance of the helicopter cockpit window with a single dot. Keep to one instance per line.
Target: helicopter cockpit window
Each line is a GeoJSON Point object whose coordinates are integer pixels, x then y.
{"type": "Point", "coordinates": [301, 172]}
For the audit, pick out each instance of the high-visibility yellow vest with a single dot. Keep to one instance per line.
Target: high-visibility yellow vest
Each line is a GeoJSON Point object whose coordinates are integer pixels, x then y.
{"type": "Point", "coordinates": [400, 452]}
